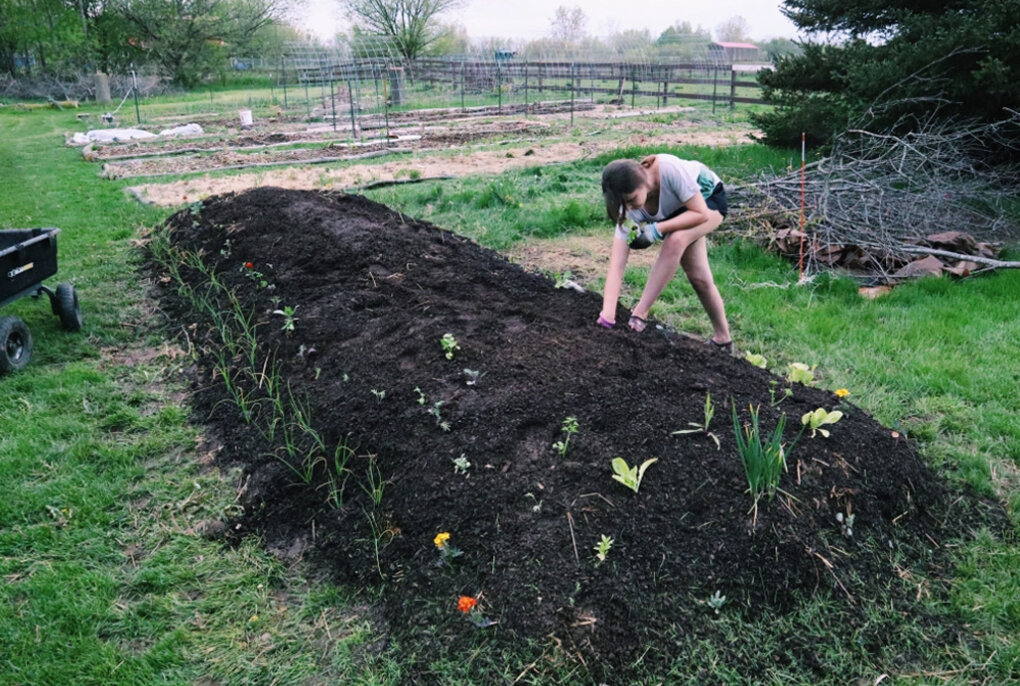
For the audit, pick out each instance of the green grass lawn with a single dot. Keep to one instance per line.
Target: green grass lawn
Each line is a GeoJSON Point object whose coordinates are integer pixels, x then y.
{"type": "Point", "coordinates": [109, 578]}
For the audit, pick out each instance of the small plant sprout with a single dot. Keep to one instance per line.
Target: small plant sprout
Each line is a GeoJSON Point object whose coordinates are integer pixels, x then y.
{"type": "Point", "coordinates": [631, 476]}
{"type": "Point", "coordinates": [798, 372]}
{"type": "Point", "coordinates": [469, 606]}
{"type": "Point", "coordinates": [703, 428]}
{"type": "Point", "coordinates": [461, 464]}
{"type": "Point", "coordinates": [449, 344]}
{"type": "Point", "coordinates": [763, 456]}
{"type": "Point", "coordinates": [569, 429]}
{"type": "Point", "coordinates": [421, 395]}
{"type": "Point", "coordinates": [819, 418]}
{"type": "Point", "coordinates": [787, 392]}
{"type": "Point", "coordinates": [288, 317]}
{"type": "Point", "coordinates": [473, 376]}
{"type": "Point", "coordinates": [602, 549]}
{"type": "Point", "coordinates": [756, 359]}
{"type": "Point", "coordinates": [443, 424]}
{"type": "Point", "coordinates": [446, 550]}
{"type": "Point", "coordinates": [379, 395]}
{"type": "Point", "coordinates": [716, 601]}
{"type": "Point", "coordinates": [846, 523]}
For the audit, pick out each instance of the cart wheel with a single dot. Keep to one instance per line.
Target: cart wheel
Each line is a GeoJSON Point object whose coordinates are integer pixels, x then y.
{"type": "Point", "coordinates": [15, 344]}
{"type": "Point", "coordinates": [66, 307]}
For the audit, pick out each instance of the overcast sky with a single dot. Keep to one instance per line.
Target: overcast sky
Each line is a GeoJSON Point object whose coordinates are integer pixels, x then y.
{"type": "Point", "coordinates": [529, 19]}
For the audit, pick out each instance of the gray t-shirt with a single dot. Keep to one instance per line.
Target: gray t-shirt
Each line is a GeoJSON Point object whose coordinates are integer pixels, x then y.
{"type": "Point", "coordinates": [679, 180]}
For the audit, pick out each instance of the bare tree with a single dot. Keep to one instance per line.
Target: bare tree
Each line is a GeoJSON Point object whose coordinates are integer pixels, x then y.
{"type": "Point", "coordinates": [410, 24]}
{"type": "Point", "coordinates": [568, 24]}
{"type": "Point", "coordinates": [734, 29]}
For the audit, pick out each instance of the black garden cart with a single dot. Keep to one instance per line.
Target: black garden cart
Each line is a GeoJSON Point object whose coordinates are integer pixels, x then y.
{"type": "Point", "coordinates": [27, 257]}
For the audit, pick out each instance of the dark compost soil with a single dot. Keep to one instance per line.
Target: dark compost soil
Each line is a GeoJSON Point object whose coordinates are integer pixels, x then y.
{"type": "Point", "coordinates": [374, 292]}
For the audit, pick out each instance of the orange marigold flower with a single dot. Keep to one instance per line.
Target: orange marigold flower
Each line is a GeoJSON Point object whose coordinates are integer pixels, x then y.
{"type": "Point", "coordinates": [249, 265]}
{"type": "Point", "coordinates": [466, 604]}
{"type": "Point", "coordinates": [441, 539]}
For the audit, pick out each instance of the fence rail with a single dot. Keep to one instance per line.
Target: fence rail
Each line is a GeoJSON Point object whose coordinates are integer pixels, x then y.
{"type": "Point", "coordinates": [662, 81]}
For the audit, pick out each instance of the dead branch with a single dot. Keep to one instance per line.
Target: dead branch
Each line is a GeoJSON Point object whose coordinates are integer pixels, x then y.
{"type": "Point", "coordinates": [875, 201]}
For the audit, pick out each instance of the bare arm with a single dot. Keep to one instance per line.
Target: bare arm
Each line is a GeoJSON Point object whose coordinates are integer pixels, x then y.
{"type": "Point", "coordinates": [614, 278]}
{"type": "Point", "coordinates": [697, 214]}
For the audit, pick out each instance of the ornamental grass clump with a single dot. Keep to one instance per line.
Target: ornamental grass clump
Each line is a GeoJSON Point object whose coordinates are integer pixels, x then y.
{"type": "Point", "coordinates": [763, 456]}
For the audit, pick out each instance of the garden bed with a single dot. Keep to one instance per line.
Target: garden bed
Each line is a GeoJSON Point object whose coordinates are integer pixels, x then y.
{"type": "Point", "coordinates": [336, 356]}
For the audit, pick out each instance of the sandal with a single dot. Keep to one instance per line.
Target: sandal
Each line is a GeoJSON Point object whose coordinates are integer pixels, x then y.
{"type": "Point", "coordinates": [726, 347]}
{"type": "Point", "coordinates": [637, 323]}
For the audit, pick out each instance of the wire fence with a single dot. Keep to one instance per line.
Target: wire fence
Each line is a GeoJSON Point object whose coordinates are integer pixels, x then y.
{"type": "Point", "coordinates": [353, 86]}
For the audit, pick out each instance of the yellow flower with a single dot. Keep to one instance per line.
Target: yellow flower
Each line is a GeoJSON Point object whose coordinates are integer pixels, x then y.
{"type": "Point", "coordinates": [841, 392]}
{"type": "Point", "coordinates": [441, 539]}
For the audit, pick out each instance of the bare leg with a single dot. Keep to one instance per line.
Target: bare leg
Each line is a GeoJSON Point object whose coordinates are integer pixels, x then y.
{"type": "Point", "coordinates": [670, 256]}
{"type": "Point", "coordinates": [695, 264]}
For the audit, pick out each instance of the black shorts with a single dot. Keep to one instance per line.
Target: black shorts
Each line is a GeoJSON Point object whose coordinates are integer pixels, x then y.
{"type": "Point", "coordinates": [716, 201]}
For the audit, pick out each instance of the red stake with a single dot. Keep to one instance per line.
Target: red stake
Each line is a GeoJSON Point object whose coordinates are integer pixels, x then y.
{"type": "Point", "coordinates": [800, 265]}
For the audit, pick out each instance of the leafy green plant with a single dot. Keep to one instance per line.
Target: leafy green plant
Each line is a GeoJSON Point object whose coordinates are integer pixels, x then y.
{"type": "Point", "coordinates": [763, 456]}
{"type": "Point", "coordinates": [421, 395]}
{"type": "Point", "coordinates": [703, 427]}
{"type": "Point", "coordinates": [449, 344]}
{"type": "Point", "coordinates": [461, 464]}
{"type": "Point", "coordinates": [798, 372]}
{"type": "Point", "coordinates": [568, 429]}
{"type": "Point", "coordinates": [716, 601]}
{"type": "Point", "coordinates": [817, 419]}
{"type": "Point", "coordinates": [289, 318]}
{"type": "Point", "coordinates": [756, 359]}
{"type": "Point", "coordinates": [602, 549]}
{"type": "Point", "coordinates": [631, 476]}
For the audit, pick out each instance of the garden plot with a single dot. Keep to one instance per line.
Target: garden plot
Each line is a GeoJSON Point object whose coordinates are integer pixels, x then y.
{"type": "Point", "coordinates": [315, 147]}
{"type": "Point", "coordinates": [415, 411]}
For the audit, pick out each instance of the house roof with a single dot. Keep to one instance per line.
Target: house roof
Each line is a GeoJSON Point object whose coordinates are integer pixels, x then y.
{"type": "Point", "coordinates": [744, 46]}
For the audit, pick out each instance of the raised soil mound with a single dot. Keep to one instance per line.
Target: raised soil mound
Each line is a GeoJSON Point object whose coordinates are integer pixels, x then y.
{"type": "Point", "coordinates": [374, 292]}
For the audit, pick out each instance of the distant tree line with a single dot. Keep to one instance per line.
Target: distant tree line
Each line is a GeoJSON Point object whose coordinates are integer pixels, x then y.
{"type": "Point", "coordinates": [189, 41]}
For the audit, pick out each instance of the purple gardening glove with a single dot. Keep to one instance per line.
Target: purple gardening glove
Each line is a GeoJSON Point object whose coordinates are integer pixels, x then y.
{"type": "Point", "coordinates": [602, 321]}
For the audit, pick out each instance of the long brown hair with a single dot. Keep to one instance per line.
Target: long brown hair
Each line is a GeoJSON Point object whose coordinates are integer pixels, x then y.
{"type": "Point", "coordinates": [620, 178]}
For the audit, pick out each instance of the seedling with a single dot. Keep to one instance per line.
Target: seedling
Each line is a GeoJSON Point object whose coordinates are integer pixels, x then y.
{"type": "Point", "coordinates": [569, 429]}
{"type": "Point", "coordinates": [798, 372]}
{"type": "Point", "coordinates": [763, 457]}
{"type": "Point", "coordinates": [787, 392]}
{"type": "Point", "coordinates": [444, 425]}
{"type": "Point", "coordinates": [379, 395]}
{"type": "Point", "coordinates": [461, 464]}
{"type": "Point", "coordinates": [716, 601]}
{"type": "Point", "coordinates": [473, 375]}
{"type": "Point", "coordinates": [630, 476]}
{"type": "Point", "coordinates": [709, 413]}
{"type": "Point", "coordinates": [819, 418]}
{"type": "Point", "coordinates": [602, 549]}
{"type": "Point", "coordinates": [449, 344]}
{"type": "Point", "coordinates": [289, 319]}
{"type": "Point", "coordinates": [755, 359]}
{"type": "Point", "coordinates": [846, 523]}
{"type": "Point", "coordinates": [421, 395]}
